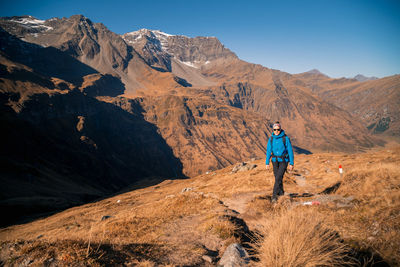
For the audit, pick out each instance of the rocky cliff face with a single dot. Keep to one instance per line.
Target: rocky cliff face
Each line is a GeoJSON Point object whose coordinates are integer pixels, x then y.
{"type": "Point", "coordinates": [178, 54]}
{"type": "Point", "coordinates": [159, 48]}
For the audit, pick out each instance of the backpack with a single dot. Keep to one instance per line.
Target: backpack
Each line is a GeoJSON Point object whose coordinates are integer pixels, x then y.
{"type": "Point", "coordinates": [284, 144]}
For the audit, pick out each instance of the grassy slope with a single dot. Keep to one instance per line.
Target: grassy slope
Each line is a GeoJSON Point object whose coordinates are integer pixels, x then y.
{"type": "Point", "coordinates": [161, 225]}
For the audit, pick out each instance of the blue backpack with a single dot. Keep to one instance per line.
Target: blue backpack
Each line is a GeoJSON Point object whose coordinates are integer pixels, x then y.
{"type": "Point", "coordinates": [272, 150]}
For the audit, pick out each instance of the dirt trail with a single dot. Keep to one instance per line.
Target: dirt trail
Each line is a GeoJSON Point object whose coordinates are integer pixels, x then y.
{"type": "Point", "coordinates": [238, 202]}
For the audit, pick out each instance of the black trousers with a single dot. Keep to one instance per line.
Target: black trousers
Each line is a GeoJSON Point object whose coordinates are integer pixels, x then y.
{"type": "Point", "coordinates": [279, 171]}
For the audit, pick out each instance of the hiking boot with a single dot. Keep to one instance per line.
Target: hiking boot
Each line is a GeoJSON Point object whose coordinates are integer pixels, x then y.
{"type": "Point", "coordinates": [273, 200]}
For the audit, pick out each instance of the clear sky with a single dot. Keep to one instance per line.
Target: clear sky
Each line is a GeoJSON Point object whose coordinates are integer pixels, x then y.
{"type": "Point", "coordinates": [341, 38]}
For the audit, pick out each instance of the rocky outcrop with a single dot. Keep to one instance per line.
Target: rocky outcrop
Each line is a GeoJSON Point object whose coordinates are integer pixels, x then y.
{"type": "Point", "coordinates": [243, 166]}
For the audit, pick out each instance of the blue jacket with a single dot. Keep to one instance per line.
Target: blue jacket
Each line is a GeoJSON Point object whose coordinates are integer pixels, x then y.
{"type": "Point", "coordinates": [279, 148]}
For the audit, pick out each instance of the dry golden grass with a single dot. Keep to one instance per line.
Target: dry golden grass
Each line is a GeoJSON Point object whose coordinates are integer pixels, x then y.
{"type": "Point", "coordinates": [161, 225]}
{"type": "Point", "coordinates": [299, 237]}
{"type": "Point", "coordinates": [374, 222]}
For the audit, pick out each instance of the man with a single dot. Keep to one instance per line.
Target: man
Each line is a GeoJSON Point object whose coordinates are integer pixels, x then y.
{"type": "Point", "coordinates": [280, 152]}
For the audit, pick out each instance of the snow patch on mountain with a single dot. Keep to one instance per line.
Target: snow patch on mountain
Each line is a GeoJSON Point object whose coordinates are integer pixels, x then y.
{"type": "Point", "coordinates": [32, 22]}
{"type": "Point", "coordinates": [160, 33]}
{"type": "Point", "coordinates": [188, 63]}
{"type": "Point", "coordinates": [158, 38]}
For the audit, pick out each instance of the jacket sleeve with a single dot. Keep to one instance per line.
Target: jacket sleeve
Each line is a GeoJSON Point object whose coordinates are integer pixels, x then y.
{"type": "Point", "coordinates": [268, 151]}
{"type": "Point", "coordinates": [290, 150]}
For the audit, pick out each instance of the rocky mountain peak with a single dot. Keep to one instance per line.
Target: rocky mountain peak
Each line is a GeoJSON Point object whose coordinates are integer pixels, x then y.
{"type": "Point", "coordinates": [22, 25]}
{"type": "Point", "coordinates": [362, 78]}
{"type": "Point", "coordinates": [145, 33]}
{"type": "Point", "coordinates": [316, 72]}
{"type": "Point", "coordinates": [158, 48]}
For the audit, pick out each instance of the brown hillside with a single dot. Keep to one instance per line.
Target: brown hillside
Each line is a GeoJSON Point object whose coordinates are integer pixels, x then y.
{"type": "Point", "coordinates": [178, 221]}
{"type": "Point", "coordinates": [375, 103]}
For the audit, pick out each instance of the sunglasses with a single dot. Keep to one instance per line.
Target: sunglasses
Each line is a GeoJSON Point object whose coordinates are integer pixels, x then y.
{"type": "Point", "coordinates": [277, 130]}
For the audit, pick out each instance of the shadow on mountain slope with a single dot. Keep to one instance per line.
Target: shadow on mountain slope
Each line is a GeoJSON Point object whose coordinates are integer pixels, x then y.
{"type": "Point", "coordinates": [68, 149]}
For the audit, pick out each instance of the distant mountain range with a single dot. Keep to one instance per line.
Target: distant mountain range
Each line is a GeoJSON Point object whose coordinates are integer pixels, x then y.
{"type": "Point", "coordinates": [88, 111]}
{"type": "Point", "coordinates": [358, 77]}
{"type": "Point", "coordinates": [362, 78]}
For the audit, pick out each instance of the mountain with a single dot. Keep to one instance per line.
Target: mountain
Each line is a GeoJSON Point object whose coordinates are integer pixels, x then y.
{"type": "Point", "coordinates": [93, 45]}
{"type": "Point", "coordinates": [315, 72]}
{"type": "Point", "coordinates": [362, 78]}
{"type": "Point", "coordinates": [224, 70]}
{"type": "Point", "coordinates": [374, 103]}
{"type": "Point", "coordinates": [178, 54]}
{"type": "Point", "coordinates": [86, 105]}
{"type": "Point", "coordinates": [64, 147]}
{"type": "Point", "coordinates": [73, 137]}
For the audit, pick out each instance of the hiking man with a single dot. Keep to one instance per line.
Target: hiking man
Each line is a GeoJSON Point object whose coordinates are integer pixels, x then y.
{"type": "Point", "coordinates": [280, 151]}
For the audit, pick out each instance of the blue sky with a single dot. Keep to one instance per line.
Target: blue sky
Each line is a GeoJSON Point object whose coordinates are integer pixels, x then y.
{"type": "Point", "coordinates": [341, 38]}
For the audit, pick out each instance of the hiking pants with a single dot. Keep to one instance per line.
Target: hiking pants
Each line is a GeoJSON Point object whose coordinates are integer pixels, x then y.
{"type": "Point", "coordinates": [279, 171]}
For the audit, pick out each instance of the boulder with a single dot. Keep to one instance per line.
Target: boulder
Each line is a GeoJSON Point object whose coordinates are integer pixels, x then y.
{"type": "Point", "coordinates": [234, 256]}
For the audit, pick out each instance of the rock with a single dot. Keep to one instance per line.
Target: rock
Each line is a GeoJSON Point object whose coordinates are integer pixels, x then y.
{"type": "Point", "coordinates": [243, 166]}
{"type": "Point", "coordinates": [237, 167]}
{"type": "Point", "coordinates": [80, 124]}
{"type": "Point", "coordinates": [234, 256]}
{"type": "Point", "coordinates": [187, 189]}
{"type": "Point", "coordinates": [105, 217]}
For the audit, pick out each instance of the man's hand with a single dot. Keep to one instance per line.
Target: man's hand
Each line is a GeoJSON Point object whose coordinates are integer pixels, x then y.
{"type": "Point", "coordinates": [267, 167]}
{"type": "Point", "coordinates": [291, 167]}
